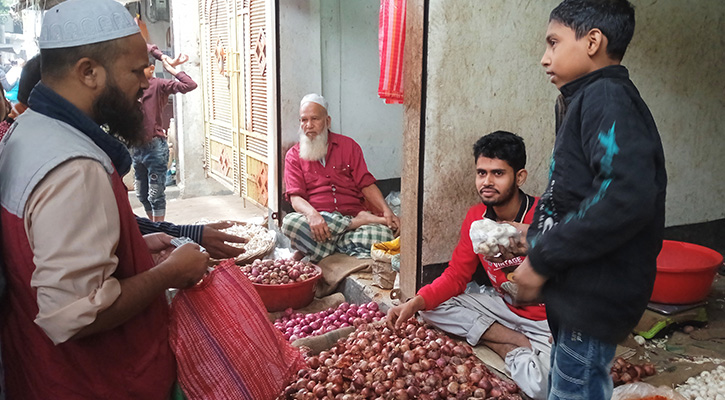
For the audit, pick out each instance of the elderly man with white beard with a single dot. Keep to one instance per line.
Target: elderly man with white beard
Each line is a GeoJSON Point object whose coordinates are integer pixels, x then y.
{"type": "Point", "coordinates": [328, 185]}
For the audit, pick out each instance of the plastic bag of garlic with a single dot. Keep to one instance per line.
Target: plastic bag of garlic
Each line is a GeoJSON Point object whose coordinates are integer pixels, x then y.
{"type": "Point", "coordinates": [260, 240]}
{"type": "Point", "coordinates": [487, 235]}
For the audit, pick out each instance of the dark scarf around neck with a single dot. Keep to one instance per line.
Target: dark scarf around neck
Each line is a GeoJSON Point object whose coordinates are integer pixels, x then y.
{"type": "Point", "coordinates": [49, 103]}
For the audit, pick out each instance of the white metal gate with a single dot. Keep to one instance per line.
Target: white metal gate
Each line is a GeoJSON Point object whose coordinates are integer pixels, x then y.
{"type": "Point", "coordinates": [236, 93]}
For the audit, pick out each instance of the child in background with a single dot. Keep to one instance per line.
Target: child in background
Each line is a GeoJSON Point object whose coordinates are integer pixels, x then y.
{"type": "Point", "coordinates": [599, 225]}
{"type": "Point", "coordinates": [29, 77]}
{"type": "Point", "coordinates": [150, 161]}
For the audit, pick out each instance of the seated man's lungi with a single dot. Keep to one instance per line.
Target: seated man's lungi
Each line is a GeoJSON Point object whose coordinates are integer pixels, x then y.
{"type": "Point", "coordinates": [356, 243]}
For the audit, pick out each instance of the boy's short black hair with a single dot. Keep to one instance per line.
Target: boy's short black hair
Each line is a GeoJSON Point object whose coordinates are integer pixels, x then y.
{"type": "Point", "coordinates": [503, 145]}
{"type": "Point", "coordinates": [28, 78]}
{"type": "Point", "coordinates": [615, 18]}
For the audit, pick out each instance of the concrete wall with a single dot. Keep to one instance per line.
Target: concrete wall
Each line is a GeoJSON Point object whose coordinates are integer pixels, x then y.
{"type": "Point", "coordinates": [32, 20]}
{"type": "Point", "coordinates": [158, 36]}
{"type": "Point", "coordinates": [484, 74]}
{"type": "Point", "coordinates": [188, 108]}
{"type": "Point", "coordinates": [350, 75]}
{"type": "Point", "coordinates": [157, 29]}
{"type": "Point", "coordinates": [678, 68]}
{"type": "Point", "coordinates": [300, 62]}
{"type": "Point", "coordinates": [331, 46]}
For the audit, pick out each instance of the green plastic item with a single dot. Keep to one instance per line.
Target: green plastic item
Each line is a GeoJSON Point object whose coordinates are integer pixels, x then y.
{"type": "Point", "coordinates": [177, 393]}
{"type": "Point", "coordinates": [698, 314]}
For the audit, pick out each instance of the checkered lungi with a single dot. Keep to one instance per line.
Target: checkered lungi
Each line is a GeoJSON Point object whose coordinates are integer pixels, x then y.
{"type": "Point", "coordinates": [355, 243]}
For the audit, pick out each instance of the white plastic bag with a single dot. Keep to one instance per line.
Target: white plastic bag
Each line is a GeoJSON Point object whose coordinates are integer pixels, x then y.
{"type": "Point", "coordinates": [393, 200]}
{"type": "Point", "coordinates": [641, 390]}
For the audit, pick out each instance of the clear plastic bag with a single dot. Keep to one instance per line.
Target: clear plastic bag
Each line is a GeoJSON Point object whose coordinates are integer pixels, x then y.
{"type": "Point", "coordinates": [393, 200]}
{"type": "Point", "coordinates": [641, 390]}
{"type": "Point", "coordinates": [487, 236]}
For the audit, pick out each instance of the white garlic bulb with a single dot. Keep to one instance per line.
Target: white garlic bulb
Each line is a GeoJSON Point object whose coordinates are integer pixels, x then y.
{"type": "Point", "coordinates": [709, 385]}
{"type": "Point", "coordinates": [487, 236]}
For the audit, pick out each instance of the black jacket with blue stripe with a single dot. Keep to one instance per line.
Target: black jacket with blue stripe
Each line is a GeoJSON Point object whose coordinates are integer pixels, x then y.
{"type": "Point", "coordinates": [598, 228]}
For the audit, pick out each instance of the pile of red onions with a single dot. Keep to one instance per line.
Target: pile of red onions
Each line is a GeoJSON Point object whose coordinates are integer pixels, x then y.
{"type": "Point", "coordinates": [279, 272]}
{"type": "Point", "coordinates": [297, 325]}
{"type": "Point", "coordinates": [625, 372]}
{"type": "Point", "coordinates": [413, 362]}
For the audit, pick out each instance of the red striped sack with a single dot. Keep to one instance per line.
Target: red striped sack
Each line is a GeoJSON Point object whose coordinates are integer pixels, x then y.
{"type": "Point", "coordinates": [225, 346]}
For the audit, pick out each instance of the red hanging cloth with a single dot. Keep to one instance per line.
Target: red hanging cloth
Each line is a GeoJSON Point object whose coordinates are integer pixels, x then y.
{"type": "Point", "coordinates": [391, 40]}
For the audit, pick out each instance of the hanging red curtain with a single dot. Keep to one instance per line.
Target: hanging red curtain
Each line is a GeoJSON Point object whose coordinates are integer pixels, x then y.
{"type": "Point", "coordinates": [391, 40]}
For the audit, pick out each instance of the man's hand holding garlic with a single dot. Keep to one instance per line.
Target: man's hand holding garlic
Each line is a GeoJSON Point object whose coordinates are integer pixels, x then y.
{"type": "Point", "coordinates": [499, 241]}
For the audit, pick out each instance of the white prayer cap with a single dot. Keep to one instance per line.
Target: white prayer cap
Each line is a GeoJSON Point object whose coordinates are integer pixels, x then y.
{"type": "Point", "coordinates": [315, 98]}
{"type": "Point", "coordinates": [80, 22]}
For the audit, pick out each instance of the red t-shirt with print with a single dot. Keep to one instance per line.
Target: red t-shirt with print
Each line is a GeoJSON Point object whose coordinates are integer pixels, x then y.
{"type": "Point", "coordinates": [464, 263]}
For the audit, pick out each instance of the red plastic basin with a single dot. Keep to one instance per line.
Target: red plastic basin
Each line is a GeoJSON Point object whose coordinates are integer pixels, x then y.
{"type": "Point", "coordinates": [685, 272]}
{"type": "Point", "coordinates": [291, 295]}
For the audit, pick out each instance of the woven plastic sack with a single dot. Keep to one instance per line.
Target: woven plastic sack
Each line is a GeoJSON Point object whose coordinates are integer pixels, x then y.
{"type": "Point", "coordinates": [225, 346]}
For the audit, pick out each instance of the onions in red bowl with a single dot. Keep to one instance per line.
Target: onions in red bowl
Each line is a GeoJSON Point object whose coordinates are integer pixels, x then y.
{"type": "Point", "coordinates": [279, 272]}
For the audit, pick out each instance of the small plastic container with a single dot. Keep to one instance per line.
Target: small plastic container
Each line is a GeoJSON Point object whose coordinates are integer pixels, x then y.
{"type": "Point", "coordinates": [291, 295]}
{"type": "Point", "coordinates": [685, 272]}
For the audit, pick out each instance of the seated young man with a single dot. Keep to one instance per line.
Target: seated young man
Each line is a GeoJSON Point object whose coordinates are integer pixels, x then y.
{"type": "Point", "coordinates": [518, 333]}
{"type": "Point", "coordinates": [327, 183]}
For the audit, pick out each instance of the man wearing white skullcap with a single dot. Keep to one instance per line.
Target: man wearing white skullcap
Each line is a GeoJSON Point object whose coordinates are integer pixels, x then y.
{"type": "Point", "coordinates": [338, 206]}
{"type": "Point", "coordinates": [86, 312]}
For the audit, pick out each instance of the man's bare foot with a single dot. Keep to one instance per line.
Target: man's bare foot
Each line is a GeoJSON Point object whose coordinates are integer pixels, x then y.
{"type": "Point", "coordinates": [365, 218]}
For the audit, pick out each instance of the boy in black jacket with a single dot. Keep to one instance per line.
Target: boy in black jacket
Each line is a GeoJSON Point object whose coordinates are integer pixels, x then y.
{"type": "Point", "coordinates": [598, 227]}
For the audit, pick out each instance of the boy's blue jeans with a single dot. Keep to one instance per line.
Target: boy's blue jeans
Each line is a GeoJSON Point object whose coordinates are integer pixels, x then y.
{"type": "Point", "coordinates": [150, 162]}
{"type": "Point", "coordinates": [580, 367]}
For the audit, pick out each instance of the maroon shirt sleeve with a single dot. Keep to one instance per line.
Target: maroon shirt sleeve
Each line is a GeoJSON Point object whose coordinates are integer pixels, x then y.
{"type": "Point", "coordinates": [184, 84]}
{"type": "Point", "coordinates": [461, 268]}
{"type": "Point", "coordinates": [294, 179]}
{"type": "Point", "coordinates": [154, 51]}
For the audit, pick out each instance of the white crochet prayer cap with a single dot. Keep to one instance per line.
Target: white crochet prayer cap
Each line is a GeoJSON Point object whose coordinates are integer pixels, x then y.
{"type": "Point", "coordinates": [80, 22]}
{"type": "Point", "coordinates": [314, 98]}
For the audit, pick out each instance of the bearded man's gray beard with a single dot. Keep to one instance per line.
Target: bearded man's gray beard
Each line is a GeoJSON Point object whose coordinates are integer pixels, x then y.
{"type": "Point", "coordinates": [313, 149]}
